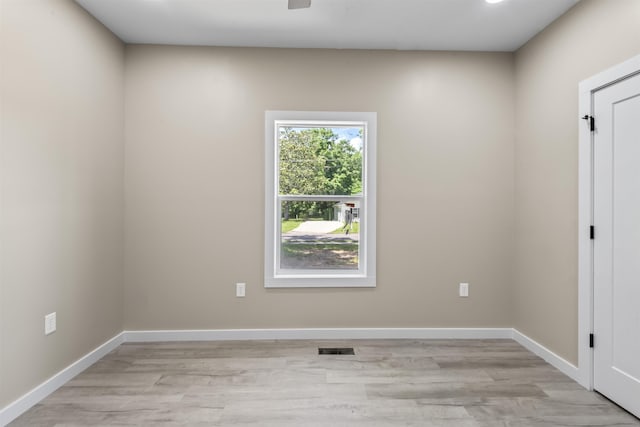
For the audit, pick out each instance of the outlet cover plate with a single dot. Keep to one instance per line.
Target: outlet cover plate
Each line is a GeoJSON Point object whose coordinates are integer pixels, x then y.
{"type": "Point", "coordinates": [241, 289]}
{"type": "Point", "coordinates": [50, 323]}
{"type": "Point", "coordinates": [464, 289]}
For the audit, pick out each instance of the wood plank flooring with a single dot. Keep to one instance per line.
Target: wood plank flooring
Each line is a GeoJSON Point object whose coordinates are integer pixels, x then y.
{"type": "Point", "coordinates": [461, 383]}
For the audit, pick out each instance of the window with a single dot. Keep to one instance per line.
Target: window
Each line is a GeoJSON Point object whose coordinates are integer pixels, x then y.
{"type": "Point", "coordinates": [320, 200]}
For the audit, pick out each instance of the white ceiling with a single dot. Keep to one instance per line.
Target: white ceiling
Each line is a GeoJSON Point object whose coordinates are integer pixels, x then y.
{"type": "Point", "coordinates": [342, 24]}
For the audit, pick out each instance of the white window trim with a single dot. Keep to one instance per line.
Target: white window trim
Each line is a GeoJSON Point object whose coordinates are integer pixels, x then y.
{"type": "Point", "coordinates": [365, 276]}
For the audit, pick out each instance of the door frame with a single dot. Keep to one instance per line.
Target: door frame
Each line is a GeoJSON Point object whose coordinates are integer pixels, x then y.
{"type": "Point", "coordinates": [587, 89]}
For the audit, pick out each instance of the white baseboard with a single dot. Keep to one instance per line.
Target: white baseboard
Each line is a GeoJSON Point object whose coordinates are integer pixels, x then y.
{"type": "Point", "coordinates": [22, 404]}
{"type": "Point", "coordinates": [318, 334]}
{"type": "Point", "coordinates": [549, 356]}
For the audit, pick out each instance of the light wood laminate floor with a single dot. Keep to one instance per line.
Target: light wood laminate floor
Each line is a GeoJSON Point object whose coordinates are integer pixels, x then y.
{"type": "Point", "coordinates": [461, 383]}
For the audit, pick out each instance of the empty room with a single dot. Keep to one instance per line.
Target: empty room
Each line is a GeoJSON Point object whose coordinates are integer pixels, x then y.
{"type": "Point", "coordinates": [319, 212]}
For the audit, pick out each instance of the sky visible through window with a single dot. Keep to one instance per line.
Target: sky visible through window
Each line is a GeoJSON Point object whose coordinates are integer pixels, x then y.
{"type": "Point", "coordinates": [351, 134]}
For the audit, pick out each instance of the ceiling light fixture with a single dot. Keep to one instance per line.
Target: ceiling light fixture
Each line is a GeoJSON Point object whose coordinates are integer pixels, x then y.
{"type": "Point", "coordinates": [299, 4]}
{"type": "Point", "coordinates": [493, 1]}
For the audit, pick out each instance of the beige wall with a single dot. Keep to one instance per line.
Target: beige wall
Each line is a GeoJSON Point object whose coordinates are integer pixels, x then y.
{"type": "Point", "coordinates": [61, 169]}
{"type": "Point", "coordinates": [195, 182]}
{"type": "Point", "coordinates": [594, 35]}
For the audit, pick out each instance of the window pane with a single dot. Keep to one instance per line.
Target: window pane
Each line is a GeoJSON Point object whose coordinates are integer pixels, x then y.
{"type": "Point", "coordinates": [320, 160]}
{"type": "Point", "coordinates": [320, 235]}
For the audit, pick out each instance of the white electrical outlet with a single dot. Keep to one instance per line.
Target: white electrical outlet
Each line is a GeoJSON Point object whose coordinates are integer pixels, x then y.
{"type": "Point", "coordinates": [464, 289]}
{"type": "Point", "coordinates": [50, 323]}
{"type": "Point", "coordinates": [241, 289]}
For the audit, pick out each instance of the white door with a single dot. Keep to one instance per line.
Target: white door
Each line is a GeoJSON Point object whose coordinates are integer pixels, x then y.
{"type": "Point", "coordinates": [616, 260]}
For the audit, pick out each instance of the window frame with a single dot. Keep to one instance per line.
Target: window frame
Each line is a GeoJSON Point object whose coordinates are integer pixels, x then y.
{"type": "Point", "coordinates": [365, 276]}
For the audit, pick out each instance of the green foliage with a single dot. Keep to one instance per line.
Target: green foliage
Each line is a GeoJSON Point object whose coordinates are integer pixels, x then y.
{"type": "Point", "coordinates": [301, 169]}
{"type": "Point", "coordinates": [290, 224]}
{"type": "Point", "coordinates": [354, 229]}
{"type": "Point", "coordinates": [315, 161]}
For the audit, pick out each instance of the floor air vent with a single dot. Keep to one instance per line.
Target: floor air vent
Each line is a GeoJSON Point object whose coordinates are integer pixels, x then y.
{"type": "Point", "coordinates": [346, 350]}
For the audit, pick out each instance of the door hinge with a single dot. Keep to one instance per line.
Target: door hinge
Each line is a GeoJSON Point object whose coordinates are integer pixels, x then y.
{"type": "Point", "coordinates": [590, 340]}
{"type": "Point", "coordinates": [592, 232]}
{"type": "Point", "coordinates": [591, 121]}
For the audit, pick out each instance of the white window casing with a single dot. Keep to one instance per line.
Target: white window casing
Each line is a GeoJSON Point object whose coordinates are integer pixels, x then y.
{"type": "Point", "coordinates": [365, 274]}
